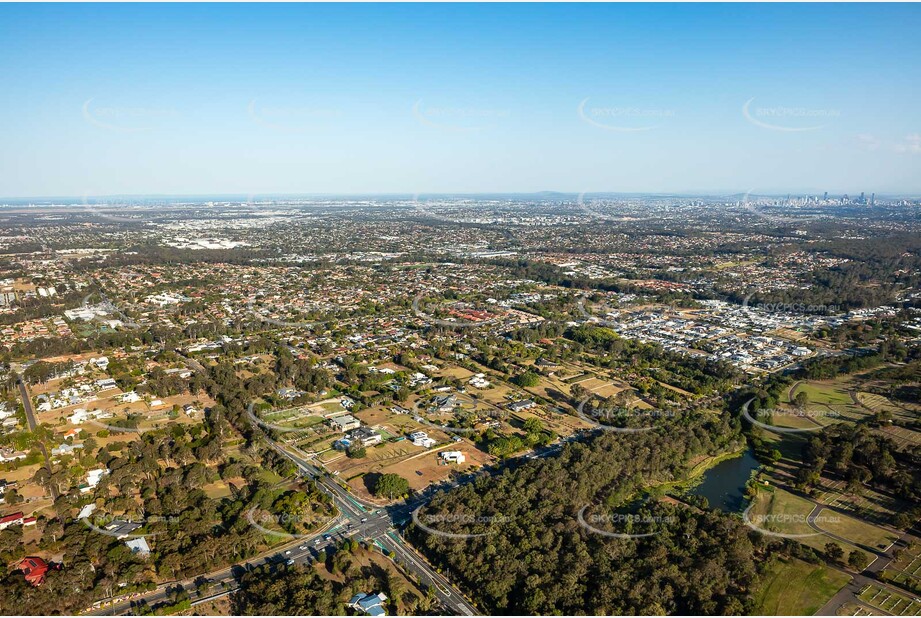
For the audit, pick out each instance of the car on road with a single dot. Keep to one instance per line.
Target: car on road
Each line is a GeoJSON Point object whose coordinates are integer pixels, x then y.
{"type": "Point", "coordinates": [288, 552]}
{"type": "Point", "coordinates": [290, 562]}
{"type": "Point", "coordinates": [364, 519]}
{"type": "Point", "coordinates": [302, 547]}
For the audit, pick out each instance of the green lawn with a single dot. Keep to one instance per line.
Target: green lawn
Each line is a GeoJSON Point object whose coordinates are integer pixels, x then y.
{"type": "Point", "coordinates": [814, 417]}
{"type": "Point", "coordinates": [792, 587]}
{"type": "Point", "coordinates": [855, 530]}
{"type": "Point", "coordinates": [776, 510]}
{"type": "Point", "coordinates": [834, 394]}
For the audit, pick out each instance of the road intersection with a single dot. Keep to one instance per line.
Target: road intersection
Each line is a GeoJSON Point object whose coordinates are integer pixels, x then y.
{"type": "Point", "coordinates": [357, 519]}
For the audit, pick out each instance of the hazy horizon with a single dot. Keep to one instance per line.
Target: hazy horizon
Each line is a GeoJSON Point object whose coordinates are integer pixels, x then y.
{"type": "Point", "coordinates": [405, 195]}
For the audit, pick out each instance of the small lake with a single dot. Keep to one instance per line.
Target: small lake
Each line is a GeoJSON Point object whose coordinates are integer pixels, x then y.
{"type": "Point", "coordinates": [723, 485]}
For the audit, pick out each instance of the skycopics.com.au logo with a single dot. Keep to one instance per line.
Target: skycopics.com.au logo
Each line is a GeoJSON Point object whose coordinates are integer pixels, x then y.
{"type": "Point", "coordinates": [789, 308]}
{"type": "Point", "coordinates": [623, 525]}
{"type": "Point", "coordinates": [771, 524]}
{"type": "Point", "coordinates": [796, 414]}
{"type": "Point", "coordinates": [788, 119]}
{"type": "Point", "coordinates": [450, 323]}
{"type": "Point", "coordinates": [124, 528]}
{"type": "Point", "coordinates": [621, 419]}
{"type": "Point", "coordinates": [291, 118]}
{"type": "Point", "coordinates": [623, 118]}
{"type": "Point", "coordinates": [437, 523]}
{"type": "Point", "coordinates": [281, 524]}
{"type": "Point", "coordinates": [125, 119]}
{"type": "Point", "coordinates": [458, 118]}
{"type": "Point", "coordinates": [258, 309]}
{"type": "Point", "coordinates": [251, 413]}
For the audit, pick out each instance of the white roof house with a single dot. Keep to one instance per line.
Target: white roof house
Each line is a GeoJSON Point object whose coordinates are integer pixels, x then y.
{"type": "Point", "coordinates": [453, 457]}
{"type": "Point", "coordinates": [79, 416]}
{"type": "Point", "coordinates": [344, 423]}
{"type": "Point", "coordinates": [138, 546]}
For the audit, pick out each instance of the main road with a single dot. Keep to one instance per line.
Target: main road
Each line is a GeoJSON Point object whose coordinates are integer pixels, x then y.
{"type": "Point", "coordinates": [33, 424]}
{"type": "Point", "coordinates": [377, 524]}
{"type": "Point", "coordinates": [358, 520]}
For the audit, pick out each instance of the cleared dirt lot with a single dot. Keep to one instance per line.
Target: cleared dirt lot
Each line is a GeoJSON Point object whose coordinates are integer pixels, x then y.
{"type": "Point", "coordinates": [421, 468]}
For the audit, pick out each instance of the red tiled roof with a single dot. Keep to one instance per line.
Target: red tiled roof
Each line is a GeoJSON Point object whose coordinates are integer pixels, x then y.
{"type": "Point", "coordinates": [10, 517]}
{"type": "Point", "coordinates": [34, 569]}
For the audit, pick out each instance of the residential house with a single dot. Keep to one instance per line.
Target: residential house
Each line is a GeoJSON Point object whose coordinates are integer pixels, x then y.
{"type": "Point", "coordinates": [420, 438]}
{"type": "Point", "coordinates": [444, 404]}
{"type": "Point", "coordinates": [92, 479]}
{"type": "Point", "coordinates": [344, 423]}
{"type": "Point", "coordinates": [13, 519]}
{"type": "Point", "coordinates": [106, 384]}
{"type": "Point", "coordinates": [370, 604]}
{"type": "Point", "coordinates": [524, 404]}
{"type": "Point", "coordinates": [138, 546]}
{"type": "Point", "coordinates": [453, 457]}
{"type": "Point", "coordinates": [479, 381]}
{"type": "Point", "coordinates": [8, 454]}
{"type": "Point", "coordinates": [121, 529]}
{"type": "Point", "coordinates": [35, 569]}
{"type": "Point", "coordinates": [366, 436]}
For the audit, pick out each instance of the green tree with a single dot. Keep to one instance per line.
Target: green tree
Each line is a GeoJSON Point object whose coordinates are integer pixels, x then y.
{"type": "Point", "coordinates": [391, 486]}
{"type": "Point", "coordinates": [527, 379]}
{"type": "Point", "coordinates": [356, 452]}
{"type": "Point", "coordinates": [834, 553]}
{"type": "Point", "coordinates": [857, 560]}
{"type": "Point", "coordinates": [533, 425]}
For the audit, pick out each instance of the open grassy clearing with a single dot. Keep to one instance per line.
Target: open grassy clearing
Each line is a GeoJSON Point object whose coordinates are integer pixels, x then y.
{"type": "Point", "coordinates": [777, 510]}
{"type": "Point", "coordinates": [791, 587]}
{"type": "Point", "coordinates": [856, 531]}
{"type": "Point", "coordinates": [830, 392]}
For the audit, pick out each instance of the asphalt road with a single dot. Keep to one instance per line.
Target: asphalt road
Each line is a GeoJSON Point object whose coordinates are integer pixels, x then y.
{"type": "Point", "coordinates": [27, 404]}
{"type": "Point", "coordinates": [358, 520]}
{"type": "Point", "coordinates": [851, 591]}
{"type": "Point", "coordinates": [33, 424]}
{"type": "Point", "coordinates": [377, 524]}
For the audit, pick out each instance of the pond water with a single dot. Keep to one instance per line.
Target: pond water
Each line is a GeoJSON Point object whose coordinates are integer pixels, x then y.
{"type": "Point", "coordinates": [723, 485]}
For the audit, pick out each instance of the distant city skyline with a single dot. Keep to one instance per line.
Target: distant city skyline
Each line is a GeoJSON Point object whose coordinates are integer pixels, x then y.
{"type": "Point", "coordinates": [374, 100]}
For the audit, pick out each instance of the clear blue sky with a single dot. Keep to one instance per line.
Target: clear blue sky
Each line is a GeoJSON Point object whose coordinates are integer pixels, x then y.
{"type": "Point", "coordinates": [249, 99]}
